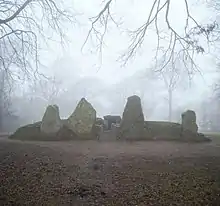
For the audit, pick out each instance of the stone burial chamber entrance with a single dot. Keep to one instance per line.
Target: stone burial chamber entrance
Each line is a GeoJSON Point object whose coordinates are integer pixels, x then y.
{"type": "Point", "coordinates": [109, 120]}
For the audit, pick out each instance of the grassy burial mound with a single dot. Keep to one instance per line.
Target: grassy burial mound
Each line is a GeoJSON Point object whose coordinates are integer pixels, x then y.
{"type": "Point", "coordinates": [80, 125]}
{"type": "Point", "coordinates": [134, 127]}
{"type": "Point", "coordinates": [159, 130]}
{"type": "Point", "coordinates": [33, 132]}
{"type": "Point", "coordinates": [83, 124]}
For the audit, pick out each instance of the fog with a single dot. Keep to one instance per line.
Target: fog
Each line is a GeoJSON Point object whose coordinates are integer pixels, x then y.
{"type": "Point", "coordinates": [70, 72]}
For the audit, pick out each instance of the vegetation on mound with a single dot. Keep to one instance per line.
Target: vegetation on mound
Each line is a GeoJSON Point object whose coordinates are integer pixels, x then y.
{"type": "Point", "coordinates": [166, 131]}
{"type": "Point", "coordinates": [33, 132]}
{"type": "Point", "coordinates": [170, 131]}
{"type": "Point", "coordinates": [188, 136]}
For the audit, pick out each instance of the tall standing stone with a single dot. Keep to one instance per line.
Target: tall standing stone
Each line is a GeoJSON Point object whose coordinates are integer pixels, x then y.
{"type": "Point", "coordinates": [132, 124]}
{"type": "Point", "coordinates": [83, 119]}
{"type": "Point", "coordinates": [189, 121]}
{"type": "Point", "coordinates": [51, 122]}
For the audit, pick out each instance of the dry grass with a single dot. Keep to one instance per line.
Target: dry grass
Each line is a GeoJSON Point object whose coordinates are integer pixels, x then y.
{"type": "Point", "coordinates": [109, 173]}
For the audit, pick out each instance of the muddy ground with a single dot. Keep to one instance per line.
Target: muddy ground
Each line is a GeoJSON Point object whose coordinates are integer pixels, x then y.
{"type": "Point", "coordinates": [109, 173]}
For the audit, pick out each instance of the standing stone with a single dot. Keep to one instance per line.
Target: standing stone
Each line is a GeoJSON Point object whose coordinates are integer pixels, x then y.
{"type": "Point", "coordinates": [83, 119]}
{"type": "Point", "coordinates": [132, 124]}
{"type": "Point", "coordinates": [115, 128]}
{"type": "Point", "coordinates": [98, 130]}
{"type": "Point", "coordinates": [189, 121]}
{"type": "Point", "coordinates": [51, 122]}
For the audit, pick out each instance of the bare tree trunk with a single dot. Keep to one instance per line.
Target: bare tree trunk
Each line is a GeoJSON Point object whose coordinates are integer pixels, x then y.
{"type": "Point", "coordinates": [170, 99]}
{"type": "Point", "coordinates": [1, 98]}
{"type": "Point", "coordinates": [2, 86]}
{"type": "Point", "coordinates": [1, 112]}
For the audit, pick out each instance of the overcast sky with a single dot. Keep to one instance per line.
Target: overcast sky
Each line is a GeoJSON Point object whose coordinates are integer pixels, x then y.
{"type": "Point", "coordinates": [132, 14]}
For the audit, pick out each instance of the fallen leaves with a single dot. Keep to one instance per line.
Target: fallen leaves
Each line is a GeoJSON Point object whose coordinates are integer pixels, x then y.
{"type": "Point", "coordinates": [31, 175]}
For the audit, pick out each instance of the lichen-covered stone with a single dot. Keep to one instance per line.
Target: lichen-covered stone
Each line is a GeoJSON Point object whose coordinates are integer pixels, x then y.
{"type": "Point", "coordinates": [189, 121]}
{"type": "Point", "coordinates": [132, 124]}
{"type": "Point", "coordinates": [82, 119]}
{"type": "Point", "coordinates": [51, 122]}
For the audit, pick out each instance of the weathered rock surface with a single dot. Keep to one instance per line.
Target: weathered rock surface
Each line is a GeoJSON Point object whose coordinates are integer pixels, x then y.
{"type": "Point", "coordinates": [132, 124]}
{"type": "Point", "coordinates": [115, 129]}
{"type": "Point", "coordinates": [83, 119]}
{"type": "Point", "coordinates": [98, 131]}
{"type": "Point", "coordinates": [189, 121]}
{"type": "Point", "coordinates": [51, 122]}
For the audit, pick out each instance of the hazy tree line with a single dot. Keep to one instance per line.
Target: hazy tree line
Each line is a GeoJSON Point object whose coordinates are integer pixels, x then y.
{"type": "Point", "coordinates": [27, 24]}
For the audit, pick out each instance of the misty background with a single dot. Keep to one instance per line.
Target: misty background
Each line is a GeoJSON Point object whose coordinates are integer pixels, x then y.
{"type": "Point", "coordinates": [68, 72]}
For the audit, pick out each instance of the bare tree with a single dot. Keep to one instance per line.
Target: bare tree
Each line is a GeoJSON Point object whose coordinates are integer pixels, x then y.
{"type": "Point", "coordinates": [186, 42]}
{"type": "Point", "coordinates": [24, 26]}
{"type": "Point", "coordinates": [46, 90]}
{"type": "Point", "coordinates": [170, 77]}
{"type": "Point", "coordinates": [173, 76]}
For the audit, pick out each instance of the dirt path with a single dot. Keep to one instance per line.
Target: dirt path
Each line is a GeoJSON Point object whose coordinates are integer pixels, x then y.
{"type": "Point", "coordinates": [109, 173]}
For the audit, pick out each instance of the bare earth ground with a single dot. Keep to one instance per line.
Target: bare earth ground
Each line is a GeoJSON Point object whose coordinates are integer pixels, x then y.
{"type": "Point", "coordinates": [109, 173]}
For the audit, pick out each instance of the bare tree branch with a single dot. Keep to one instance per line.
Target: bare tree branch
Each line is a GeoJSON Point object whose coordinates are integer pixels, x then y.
{"type": "Point", "coordinates": [187, 41]}
{"type": "Point", "coordinates": [100, 20]}
{"type": "Point", "coordinates": [23, 26]}
{"type": "Point", "coordinates": [4, 21]}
